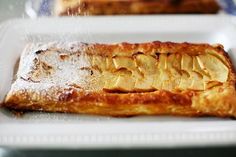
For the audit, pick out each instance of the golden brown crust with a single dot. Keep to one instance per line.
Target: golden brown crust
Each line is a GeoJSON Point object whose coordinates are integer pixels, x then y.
{"type": "Point", "coordinates": [129, 49]}
{"type": "Point", "coordinates": [114, 104]}
{"type": "Point", "coordinates": [28, 94]}
{"type": "Point", "coordinates": [113, 7]}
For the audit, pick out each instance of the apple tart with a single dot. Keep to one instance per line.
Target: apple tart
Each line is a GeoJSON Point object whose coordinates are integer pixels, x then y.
{"type": "Point", "coordinates": [123, 7]}
{"type": "Point", "coordinates": [125, 79]}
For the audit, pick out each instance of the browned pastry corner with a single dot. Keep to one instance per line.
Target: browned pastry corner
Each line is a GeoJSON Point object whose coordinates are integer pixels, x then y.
{"type": "Point", "coordinates": [156, 78]}
{"type": "Point", "coordinates": [115, 7]}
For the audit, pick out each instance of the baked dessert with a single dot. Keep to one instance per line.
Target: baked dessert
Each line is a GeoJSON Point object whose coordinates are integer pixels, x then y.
{"type": "Point", "coordinates": [156, 78]}
{"type": "Point", "coordinates": [113, 7]}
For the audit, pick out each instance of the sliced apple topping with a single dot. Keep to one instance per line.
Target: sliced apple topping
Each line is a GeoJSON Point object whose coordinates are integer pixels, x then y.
{"type": "Point", "coordinates": [142, 72]}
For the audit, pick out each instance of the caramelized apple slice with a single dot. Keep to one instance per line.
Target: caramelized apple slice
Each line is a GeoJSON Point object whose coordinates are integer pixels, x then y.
{"type": "Point", "coordinates": [202, 75]}
{"type": "Point", "coordinates": [99, 62]}
{"type": "Point", "coordinates": [124, 62]}
{"type": "Point", "coordinates": [109, 80]}
{"type": "Point", "coordinates": [173, 67]}
{"type": "Point", "coordinates": [161, 74]}
{"type": "Point", "coordinates": [186, 68]}
{"type": "Point", "coordinates": [156, 80]}
{"type": "Point", "coordinates": [109, 64]}
{"type": "Point", "coordinates": [124, 81]}
{"type": "Point", "coordinates": [147, 65]}
{"type": "Point", "coordinates": [217, 69]}
{"type": "Point", "coordinates": [197, 81]}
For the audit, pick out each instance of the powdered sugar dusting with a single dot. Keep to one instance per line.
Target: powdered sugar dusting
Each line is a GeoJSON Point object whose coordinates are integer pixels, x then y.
{"type": "Point", "coordinates": [43, 66]}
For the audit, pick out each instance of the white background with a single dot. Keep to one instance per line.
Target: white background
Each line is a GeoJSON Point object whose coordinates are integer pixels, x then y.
{"type": "Point", "coordinates": [12, 9]}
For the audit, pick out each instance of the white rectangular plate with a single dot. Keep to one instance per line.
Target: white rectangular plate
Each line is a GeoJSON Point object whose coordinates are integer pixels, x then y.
{"type": "Point", "coordinates": [53, 130]}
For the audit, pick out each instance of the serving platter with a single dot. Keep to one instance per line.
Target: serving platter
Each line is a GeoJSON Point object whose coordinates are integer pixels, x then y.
{"type": "Point", "coordinates": [56, 130]}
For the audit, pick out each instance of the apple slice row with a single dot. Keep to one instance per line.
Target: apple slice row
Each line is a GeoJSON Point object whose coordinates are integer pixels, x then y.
{"type": "Point", "coordinates": [142, 73]}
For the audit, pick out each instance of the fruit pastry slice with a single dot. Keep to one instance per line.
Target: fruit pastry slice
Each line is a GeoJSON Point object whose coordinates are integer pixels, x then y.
{"type": "Point", "coordinates": [125, 79]}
